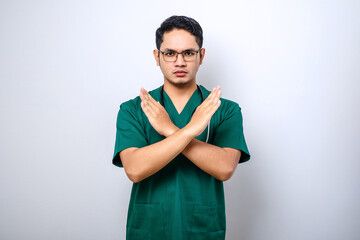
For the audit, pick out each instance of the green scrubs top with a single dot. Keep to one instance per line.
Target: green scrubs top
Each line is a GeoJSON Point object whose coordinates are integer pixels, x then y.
{"type": "Point", "coordinates": [180, 201]}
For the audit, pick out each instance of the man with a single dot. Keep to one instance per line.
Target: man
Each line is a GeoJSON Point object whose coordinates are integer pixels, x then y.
{"type": "Point", "coordinates": [178, 143]}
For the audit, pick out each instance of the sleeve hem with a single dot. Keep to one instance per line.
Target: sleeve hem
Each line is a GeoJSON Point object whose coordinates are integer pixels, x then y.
{"type": "Point", "coordinates": [116, 160]}
{"type": "Point", "coordinates": [245, 156]}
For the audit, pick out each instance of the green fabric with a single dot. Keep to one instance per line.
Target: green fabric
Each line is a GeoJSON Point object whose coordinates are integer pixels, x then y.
{"type": "Point", "coordinates": [180, 201]}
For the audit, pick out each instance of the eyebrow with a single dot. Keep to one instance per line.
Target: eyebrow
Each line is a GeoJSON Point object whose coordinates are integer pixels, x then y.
{"type": "Point", "coordinates": [171, 50]}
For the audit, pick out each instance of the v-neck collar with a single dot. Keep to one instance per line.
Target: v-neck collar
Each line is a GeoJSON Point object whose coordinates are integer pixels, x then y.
{"type": "Point", "coordinates": [192, 103]}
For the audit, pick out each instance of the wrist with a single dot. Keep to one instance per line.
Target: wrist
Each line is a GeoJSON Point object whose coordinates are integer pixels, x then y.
{"type": "Point", "coordinates": [171, 131]}
{"type": "Point", "coordinates": [188, 130]}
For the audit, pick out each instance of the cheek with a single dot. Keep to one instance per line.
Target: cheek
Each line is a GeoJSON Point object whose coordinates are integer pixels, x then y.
{"type": "Point", "coordinates": [164, 68]}
{"type": "Point", "coordinates": [194, 69]}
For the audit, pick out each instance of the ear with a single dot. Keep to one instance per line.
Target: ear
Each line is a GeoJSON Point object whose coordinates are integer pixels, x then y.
{"type": "Point", "coordinates": [202, 55]}
{"type": "Point", "coordinates": [156, 56]}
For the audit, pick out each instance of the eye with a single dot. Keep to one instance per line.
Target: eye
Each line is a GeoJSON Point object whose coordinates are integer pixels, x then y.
{"type": "Point", "coordinates": [189, 53]}
{"type": "Point", "coordinates": [170, 54]}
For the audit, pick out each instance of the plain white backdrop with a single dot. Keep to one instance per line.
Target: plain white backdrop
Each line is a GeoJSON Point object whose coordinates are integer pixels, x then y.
{"type": "Point", "coordinates": [293, 66]}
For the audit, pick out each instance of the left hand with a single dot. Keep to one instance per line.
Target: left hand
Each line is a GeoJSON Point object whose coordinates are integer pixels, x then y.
{"type": "Point", "coordinates": [204, 112]}
{"type": "Point", "coordinates": [157, 115]}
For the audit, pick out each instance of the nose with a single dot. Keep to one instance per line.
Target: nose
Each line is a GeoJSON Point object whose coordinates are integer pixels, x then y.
{"type": "Point", "coordinates": [180, 60]}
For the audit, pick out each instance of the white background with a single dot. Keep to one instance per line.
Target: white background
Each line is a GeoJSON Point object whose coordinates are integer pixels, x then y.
{"type": "Point", "coordinates": [293, 66]}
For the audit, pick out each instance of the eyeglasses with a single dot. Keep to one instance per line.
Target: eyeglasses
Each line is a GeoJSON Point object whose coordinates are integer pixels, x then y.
{"type": "Point", "coordinates": [188, 55]}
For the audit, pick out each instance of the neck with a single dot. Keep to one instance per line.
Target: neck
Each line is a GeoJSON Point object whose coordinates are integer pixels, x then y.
{"type": "Point", "coordinates": [179, 91]}
{"type": "Point", "coordinates": [180, 94]}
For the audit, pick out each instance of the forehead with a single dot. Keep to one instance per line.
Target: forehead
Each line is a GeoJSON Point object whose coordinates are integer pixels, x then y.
{"type": "Point", "coordinates": [178, 40]}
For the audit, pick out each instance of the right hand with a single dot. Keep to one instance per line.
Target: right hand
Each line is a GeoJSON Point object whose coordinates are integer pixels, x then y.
{"type": "Point", "coordinates": [204, 112]}
{"type": "Point", "coordinates": [157, 115]}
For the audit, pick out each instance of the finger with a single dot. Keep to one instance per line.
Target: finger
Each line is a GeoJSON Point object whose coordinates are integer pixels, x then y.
{"type": "Point", "coordinates": [143, 90]}
{"type": "Point", "coordinates": [144, 93]}
{"type": "Point", "coordinates": [144, 108]}
{"type": "Point", "coordinates": [141, 94]}
{"type": "Point", "coordinates": [217, 92]}
{"type": "Point", "coordinates": [147, 95]}
{"type": "Point", "coordinates": [212, 98]}
{"type": "Point", "coordinates": [214, 93]}
{"type": "Point", "coordinates": [146, 98]}
{"type": "Point", "coordinates": [152, 104]}
{"type": "Point", "coordinates": [217, 105]}
{"type": "Point", "coordinates": [147, 110]}
{"type": "Point", "coordinates": [217, 96]}
{"type": "Point", "coordinates": [151, 101]}
{"type": "Point", "coordinates": [208, 98]}
{"type": "Point", "coordinates": [145, 105]}
{"type": "Point", "coordinates": [212, 103]}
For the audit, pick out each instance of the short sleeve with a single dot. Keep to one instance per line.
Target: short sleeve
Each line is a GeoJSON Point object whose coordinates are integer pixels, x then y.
{"type": "Point", "coordinates": [229, 132]}
{"type": "Point", "coordinates": [129, 130]}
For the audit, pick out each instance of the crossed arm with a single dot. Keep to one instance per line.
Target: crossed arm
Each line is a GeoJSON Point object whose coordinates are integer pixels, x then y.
{"type": "Point", "coordinates": [140, 163]}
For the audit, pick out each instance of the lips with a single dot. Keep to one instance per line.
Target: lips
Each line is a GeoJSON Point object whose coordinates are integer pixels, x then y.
{"type": "Point", "coordinates": [180, 73]}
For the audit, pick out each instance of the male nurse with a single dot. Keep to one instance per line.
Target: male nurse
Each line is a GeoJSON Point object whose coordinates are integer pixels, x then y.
{"type": "Point", "coordinates": [178, 143]}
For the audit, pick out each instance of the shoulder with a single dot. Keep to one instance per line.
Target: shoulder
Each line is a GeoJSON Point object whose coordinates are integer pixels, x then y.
{"type": "Point", "coordinates": [130, 109]}
{"type": "Point", "coordinates": [228, 110]}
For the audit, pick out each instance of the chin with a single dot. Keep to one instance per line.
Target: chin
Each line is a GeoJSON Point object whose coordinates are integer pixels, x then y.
{"type": "Point", "coordinates": [179, 82]}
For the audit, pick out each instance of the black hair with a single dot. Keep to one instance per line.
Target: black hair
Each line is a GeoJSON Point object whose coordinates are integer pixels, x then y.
{"type": "Point", "coordinates": [179, 22]}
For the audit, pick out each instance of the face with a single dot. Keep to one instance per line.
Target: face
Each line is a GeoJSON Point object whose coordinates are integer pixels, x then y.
{"type": "Point", "coordinates": [179, 72]}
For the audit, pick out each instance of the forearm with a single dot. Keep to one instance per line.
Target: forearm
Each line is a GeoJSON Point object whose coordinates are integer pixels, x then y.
{"type": "Point", "coordinates": [140, 163]}
{"type": "Point", "coordinates": [216, 161]}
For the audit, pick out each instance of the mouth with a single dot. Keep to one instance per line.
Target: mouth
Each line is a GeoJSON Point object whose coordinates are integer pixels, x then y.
{"type": "Point", "coordinates": [180, 73]}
